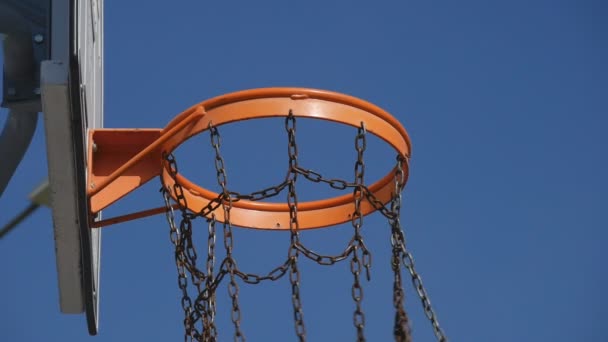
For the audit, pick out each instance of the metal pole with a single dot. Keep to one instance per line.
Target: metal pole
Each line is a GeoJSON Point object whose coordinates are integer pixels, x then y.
{"type": "Point", "coordinates": [18, 219]}
{"type": "Point", "coordinates": [14, 141]}
{"type": "Point", "coordinates": [18, 20]}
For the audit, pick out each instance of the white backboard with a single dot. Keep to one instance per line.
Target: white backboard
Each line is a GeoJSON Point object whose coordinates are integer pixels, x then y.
{"type": "Point", "coordinates": [72, 100]}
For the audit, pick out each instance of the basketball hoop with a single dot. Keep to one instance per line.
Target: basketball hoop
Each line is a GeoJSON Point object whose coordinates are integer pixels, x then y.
{"type": "Point", "coordinates": [278, 102]}
{"type": "Point", "coordinates": [149, 153]}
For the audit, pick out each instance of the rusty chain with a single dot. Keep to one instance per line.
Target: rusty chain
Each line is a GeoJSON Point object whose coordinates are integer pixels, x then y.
{"type": "Point", "coordinates": [340, 184]}
{"type": "Point", "coordinates": [364, 259]}
{"type": "Point", "coordinates": [401, 331]}
{"type": "Point", "coordinates": [179, 239]}
{"type": "Point", "coordinates": [202, 310]}
{"type": "Point", "coordinates": [325, 260]}
{"type": "Point", "coordinates": [209, 307]}
{"type": "Point", "coordinates": [400, 251]}
{"type": "Point", "coordinates": [259, 195]}
{"type": "Point", "coordinates": [233, 287]}
{"type": "Point", "coordinates": [294, 228]}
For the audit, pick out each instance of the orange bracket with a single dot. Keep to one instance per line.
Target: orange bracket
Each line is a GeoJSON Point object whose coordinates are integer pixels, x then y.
{"type": "Point", "coordinates": [109, 151]}
{"type": "Point", "coordinates": [122, 160]}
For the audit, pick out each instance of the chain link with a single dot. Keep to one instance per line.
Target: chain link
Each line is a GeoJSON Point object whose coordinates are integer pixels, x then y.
{"type": "Point", "coordinates": [292, 147]}
{"type": "Point", "coordinates": [359, 251]}
{"type": "Point", "coordinates": [233, 287]}
{"type": "Point", "coordinates": [294, 228]}
{"type": "Point", "coordinates": [325, 260]}
{"type": "Point", "coordinates": [398, 243]}
{"type": "Point", "coordinates": [259, 195]}
{"type": "Point", "coordinates": [209, 305]}
{"type": "Point", "coordinates": [340, 184]}
{"type": "Point", "coordinates": [274, 275]}
{"type": "Point", "coordinates": [294, 272]}
{"type": "Point", "coordinates": [176, 236]}
{"type": "Point", "coordinates": [402, 329]}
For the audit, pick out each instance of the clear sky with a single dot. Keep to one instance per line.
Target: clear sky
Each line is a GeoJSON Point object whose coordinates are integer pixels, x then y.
{"type": "Point", "coordinates": [505, 210]}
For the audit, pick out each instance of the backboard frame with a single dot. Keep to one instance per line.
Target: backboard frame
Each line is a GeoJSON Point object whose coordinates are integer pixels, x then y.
{"type": "Point", "coordinates": [72, 100]}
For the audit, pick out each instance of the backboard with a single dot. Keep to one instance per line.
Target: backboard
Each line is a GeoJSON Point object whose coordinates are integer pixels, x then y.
{"type": "Point", "coordinates": [72, 101]}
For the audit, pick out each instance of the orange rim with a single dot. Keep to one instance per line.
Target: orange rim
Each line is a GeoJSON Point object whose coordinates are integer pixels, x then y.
{"type": "Point", "coordinates": [277, 102]}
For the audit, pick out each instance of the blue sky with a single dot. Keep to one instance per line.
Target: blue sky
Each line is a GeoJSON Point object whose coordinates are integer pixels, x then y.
{"type": "Point", "coordinates": [505, 209]}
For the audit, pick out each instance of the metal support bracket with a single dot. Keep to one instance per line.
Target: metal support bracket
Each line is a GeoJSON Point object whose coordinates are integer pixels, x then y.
{"type": "Point", "coordinates": [109, 149]}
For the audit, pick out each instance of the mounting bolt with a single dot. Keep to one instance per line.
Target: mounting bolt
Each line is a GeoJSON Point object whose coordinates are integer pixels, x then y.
{"type": "Point", "coordinates": [11, 91]}
{"type": "Point", "coordinates": [92, 185]}
{"type": "Point", "coordinates": [38, 38]}
{"type": "Point", "coordinates": [94, 147]}
{"type": "Point", "coordinates": [37, 91]}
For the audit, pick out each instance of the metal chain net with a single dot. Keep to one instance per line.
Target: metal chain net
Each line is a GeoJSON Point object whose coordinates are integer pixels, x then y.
{"type": "Point", "coordinates": [200, 307]}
